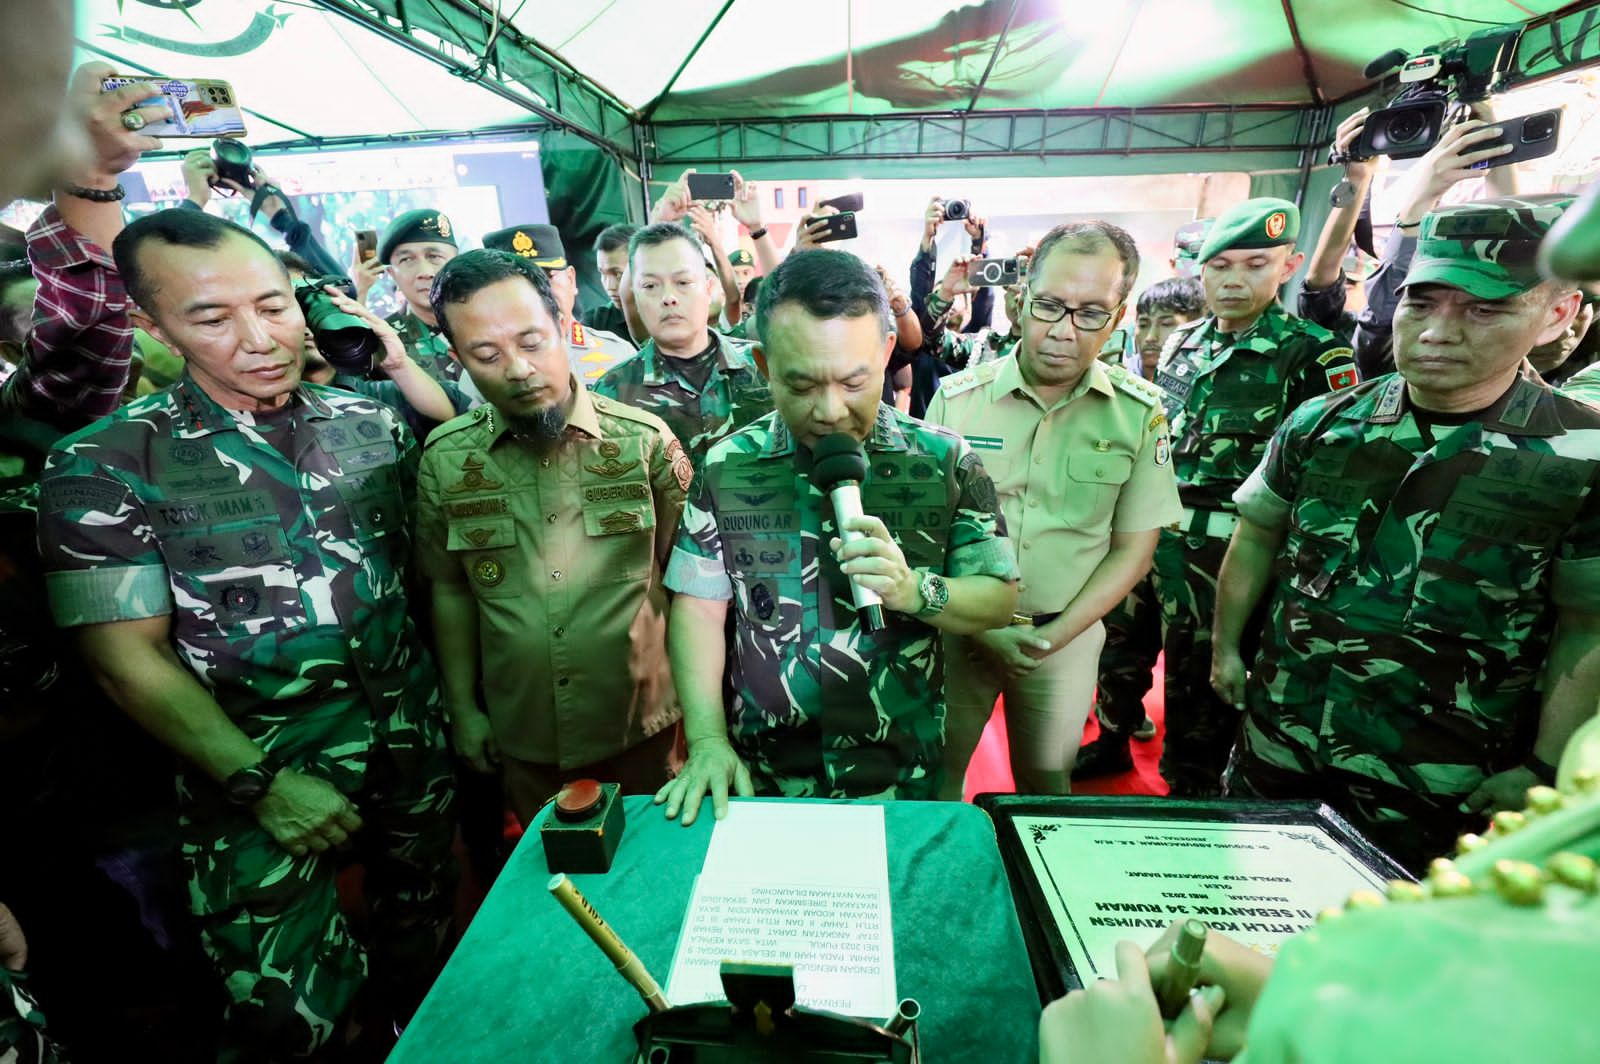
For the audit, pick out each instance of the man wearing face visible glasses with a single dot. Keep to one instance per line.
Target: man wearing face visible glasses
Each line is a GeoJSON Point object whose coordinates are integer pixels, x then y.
{"type": "Point", "coordinates": [1080, 459]}
{"type": "Point", "coordinates": [1230, 380]}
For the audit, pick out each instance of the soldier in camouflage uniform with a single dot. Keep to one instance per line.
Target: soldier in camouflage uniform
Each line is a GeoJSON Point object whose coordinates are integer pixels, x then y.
{"type": "Point", "coordinates": [1230, 380]}
{"type": "Point", "coordinates": [233, 552]}
{"type": "Point", "coordinates": [820, 706]}
{"type": "Point", "coordinates": [1430, 647]}
{"type": "Point", "coordinates": [415, 247]}
{"type": "Point", "coordinates": [702, 384]}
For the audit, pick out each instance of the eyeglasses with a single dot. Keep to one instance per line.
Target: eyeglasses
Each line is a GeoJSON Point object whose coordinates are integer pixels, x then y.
{"type": "Point", "coordinates": [1089, 319]}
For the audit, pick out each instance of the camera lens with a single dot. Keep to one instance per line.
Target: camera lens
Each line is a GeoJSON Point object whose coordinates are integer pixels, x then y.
{"type": "Point", "coordinates": [1406, 126]}
{"type": "Point", "coordinates": [1538, 127]}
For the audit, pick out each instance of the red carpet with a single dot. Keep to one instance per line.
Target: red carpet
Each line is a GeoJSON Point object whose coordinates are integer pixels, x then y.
{"type": "Point", "coordinates": [990, 769]}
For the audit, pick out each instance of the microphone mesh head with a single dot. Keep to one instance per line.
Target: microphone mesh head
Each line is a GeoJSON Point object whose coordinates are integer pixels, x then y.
{"type": "Point", "coordinates": [835, 458]}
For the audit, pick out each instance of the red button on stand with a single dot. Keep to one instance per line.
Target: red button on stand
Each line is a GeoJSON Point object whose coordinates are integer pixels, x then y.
{"type": "Point", "coordinates": [578, 800]}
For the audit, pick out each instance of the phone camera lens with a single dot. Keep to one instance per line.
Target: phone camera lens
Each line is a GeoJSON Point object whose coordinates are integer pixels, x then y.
{"type": "Point", "coordinates": [1537, 128]}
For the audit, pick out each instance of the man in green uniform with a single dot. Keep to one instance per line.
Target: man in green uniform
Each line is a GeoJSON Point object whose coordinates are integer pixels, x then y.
{"type": "Point", "coordinates": [1080, 457]}
{"type": "Point", "coordinates": [545, 520]}
{"type": "Point", "coordinates": [1431, 643]}
{"type": "Point", "coordinates": [415, 247]}
{"type": "Point", "coordinates": [821, 706]}
{"type": "Point", "coordinates": [611, 259]}
{"type": "Point", "coordinates": [744, 267]}
{"type": "Point", "coordinates": [593, 351]}
{"type": "Point", "coordinates": [701, 383]}
{"type": "Point", "coordinates": [233, 554]}
{"type": "Point", "coordinates": [1230, 379]}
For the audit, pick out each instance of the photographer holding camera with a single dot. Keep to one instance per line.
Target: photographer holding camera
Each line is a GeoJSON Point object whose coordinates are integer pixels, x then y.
{"type": "Point", "coordinates": [202, 178]}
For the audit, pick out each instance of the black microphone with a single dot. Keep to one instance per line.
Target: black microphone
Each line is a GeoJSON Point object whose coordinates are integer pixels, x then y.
{"type": "Point", "coordinates": [1384, 63]}
{"type": "Point", "coordinates": [839, 466]}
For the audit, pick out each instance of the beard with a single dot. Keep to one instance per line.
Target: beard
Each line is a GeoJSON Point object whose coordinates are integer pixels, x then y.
{"type": "Point", "coordinates": [545, 427]}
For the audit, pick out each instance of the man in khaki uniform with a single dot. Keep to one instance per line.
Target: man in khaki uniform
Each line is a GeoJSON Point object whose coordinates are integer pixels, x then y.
{"type": "Point", "coordinates": [1080, 457]}
{"type": "Point", "coordinates": [544, 520]}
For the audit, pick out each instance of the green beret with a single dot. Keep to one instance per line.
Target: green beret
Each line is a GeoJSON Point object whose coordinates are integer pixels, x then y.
{"type": "Point", "coordinates": [415, 227]}
{"type": "Point", "coordinates": [541, 243]}
{"type": "Point", "coordinates": [1264, 222]}
{"type": "Point", "coordinates": [741, 258]}
{"type": "Point", "coordinates": [1488, 248]}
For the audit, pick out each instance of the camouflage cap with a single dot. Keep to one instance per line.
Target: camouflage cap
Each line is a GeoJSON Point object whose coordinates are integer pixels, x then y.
{"type": "Point", "coordinates": [1572, 249]}
{"type": "Point", "coordinates": [1263, 222]}
{"type": "Point", "coordinates": [1186, 244]}
{"type": "Point", "coordinates": [415, 227]}
{"type": "Point", "coordinates": [541, 243]}
{"type": "Point", "coordinates": [1488, 249]}
{"type": "Point", "coordinates": [741, 257]}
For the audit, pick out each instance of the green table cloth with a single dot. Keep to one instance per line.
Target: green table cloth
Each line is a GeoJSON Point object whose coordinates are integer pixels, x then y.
{"type": "Point", "coordinates": [526, 985]}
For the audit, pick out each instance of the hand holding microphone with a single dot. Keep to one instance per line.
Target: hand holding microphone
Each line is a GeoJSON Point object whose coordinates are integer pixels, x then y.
{"type": "Point", "coordinates": [867, 553]}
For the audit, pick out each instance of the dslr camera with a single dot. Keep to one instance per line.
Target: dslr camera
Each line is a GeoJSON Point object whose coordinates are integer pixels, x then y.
{"type": "Point", "coordinates": [347, 342]}
{"type": "Point", "coordinates": [1453, 72]}
{"type": "Point", "coordinates": [234, 161]}
{"type": "Point", "coordinates": [957, 210]}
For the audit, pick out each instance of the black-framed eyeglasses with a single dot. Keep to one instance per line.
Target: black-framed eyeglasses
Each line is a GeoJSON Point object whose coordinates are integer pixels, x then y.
{"type": "Point", "coordinates": [1089, 319]}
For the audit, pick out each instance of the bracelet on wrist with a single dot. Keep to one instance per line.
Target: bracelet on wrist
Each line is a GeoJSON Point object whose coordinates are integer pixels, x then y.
{"type": "Point", "coordinates": [94, 195]}
{"type": "Point", "coordinates": [757, 234]}
{"type": "Point", "coordinates": [1541, 768]}
{"type": "Point", "coordinates": [1407, 226]}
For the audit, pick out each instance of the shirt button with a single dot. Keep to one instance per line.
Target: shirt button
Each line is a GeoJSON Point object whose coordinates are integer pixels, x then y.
{"type": "Point", "coordinates": [545, 462]}
{"type": "Point", "coordinates": [555, 574]}
{"type": "Point", "coordinates": [562, 682]}
{"type": "Point", "coordinates": [1101, 473]}
{"type": "Point", "coordinates": [551, 518]}
{"type": "Point", "coordinates": [1033, 504]}
{"type": "Point", "coordinates": [1026, 544]}
{"type": "Point", "coordinates": [560, 631]}
{"type": "Point", "coordinates": [1039, 460]}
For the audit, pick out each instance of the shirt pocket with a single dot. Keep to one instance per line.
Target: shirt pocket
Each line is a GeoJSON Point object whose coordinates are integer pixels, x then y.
{"type": "Point", "coordinates": [239, 576]}
{"type": "Point", "coordinates": [1094, 480]}
{"type": "Point", "coordinates": [486, 548]}
{"type": "Point", "coordinates": [1490, 581]}
{"type": "Point", "coordinates": [625, 532]}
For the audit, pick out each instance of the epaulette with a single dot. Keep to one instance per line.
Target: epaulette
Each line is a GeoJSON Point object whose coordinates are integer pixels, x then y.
{"type": "Point", "coordinates": [612, 408]}
{"type": "Point", "coordinates": [456, 424]}
{"type": "Point", "coordinates": [1141, 389]}
{"type": "Point", "coordinates": [968, 379]}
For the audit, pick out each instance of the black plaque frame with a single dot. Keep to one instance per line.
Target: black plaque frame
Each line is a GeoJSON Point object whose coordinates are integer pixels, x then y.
{"type": "Point", "coordinates": [1053, 970]}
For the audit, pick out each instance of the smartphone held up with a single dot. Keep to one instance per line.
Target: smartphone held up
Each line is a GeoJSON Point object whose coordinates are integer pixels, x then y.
{"type": "Point", "coordinates": [196, 107]}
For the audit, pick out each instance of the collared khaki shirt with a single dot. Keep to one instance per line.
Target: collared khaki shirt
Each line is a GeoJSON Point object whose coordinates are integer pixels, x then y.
{"type": "Point", "coordinates": [1069, 474]}
{"type": "Point", "coordinates": [562, 546]}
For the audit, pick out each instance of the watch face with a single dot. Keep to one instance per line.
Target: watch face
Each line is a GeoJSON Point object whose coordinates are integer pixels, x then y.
{"type": "Point", "coordinates": [248, 786]}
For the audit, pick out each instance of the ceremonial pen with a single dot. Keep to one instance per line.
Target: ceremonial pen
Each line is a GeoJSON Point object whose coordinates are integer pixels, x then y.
{"type": "Point", "coordinates": [1183, 968]}
{"type": "Point", "coordinates": [628, 965]}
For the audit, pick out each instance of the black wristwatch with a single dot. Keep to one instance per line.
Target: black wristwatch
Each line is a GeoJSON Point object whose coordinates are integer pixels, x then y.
{"type": "Point", "coordinates": [250, 784]}
{"type": "Point", "coordinates": [1541, 768]}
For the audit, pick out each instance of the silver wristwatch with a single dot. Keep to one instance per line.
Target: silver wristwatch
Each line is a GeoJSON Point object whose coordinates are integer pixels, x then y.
{"type": "Point", "coordinates": [935, 594]}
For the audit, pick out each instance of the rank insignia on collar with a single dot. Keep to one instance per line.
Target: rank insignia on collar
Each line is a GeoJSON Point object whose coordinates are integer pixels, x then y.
{"type": "Point", "coordinates": [577, 333]}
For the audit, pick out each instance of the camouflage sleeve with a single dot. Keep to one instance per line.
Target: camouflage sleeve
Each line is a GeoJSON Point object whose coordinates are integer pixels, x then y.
{"type": "Point", "coordinates": [978, 545]}
{"type": "Point", "coordinates": [696, 567]}
{"type": "Point", "coordinates": [1149, 499]}
{"type": "Point", "coordinates": [98, 549]}
{"type": "Point", "coordinates": [671, 473]}
{"type": "Point", "coordinates": [432, 532]}
{"type": "Point", "coordinates": [1267, 495]}
{"type": "Point", "coordinates": [1328, 366]}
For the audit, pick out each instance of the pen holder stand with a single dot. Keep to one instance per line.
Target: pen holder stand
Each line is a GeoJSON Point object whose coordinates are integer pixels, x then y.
{"type": "Point", "coordinates": [761, 1022]}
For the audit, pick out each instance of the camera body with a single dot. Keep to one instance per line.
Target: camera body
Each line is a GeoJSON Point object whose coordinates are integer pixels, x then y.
{"type": "Point", "coordinates": [957, 210]}
{"type": "Point", "coordinates": [347, 342]}
{"type": "Point", "coordinates": [1453, 72]}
